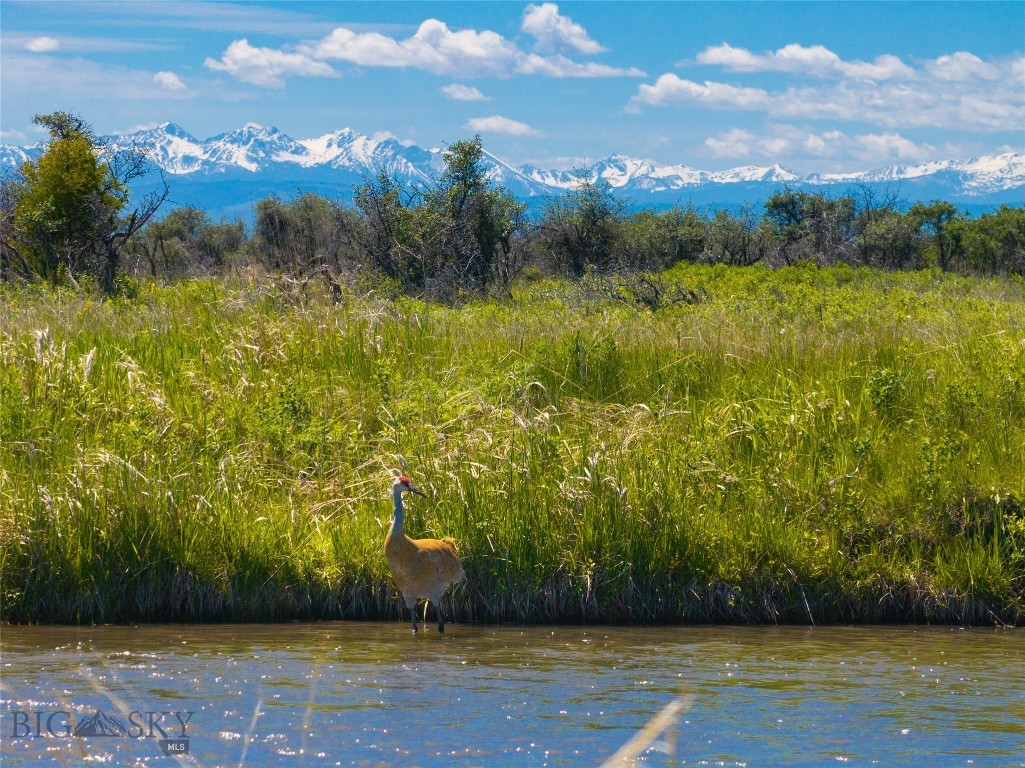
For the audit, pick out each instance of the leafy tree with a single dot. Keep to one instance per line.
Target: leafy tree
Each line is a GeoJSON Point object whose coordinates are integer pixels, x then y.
{"type": "Point", "coordinates": [810, 226]}
{"type": "Point", "coordinates": [385, 219]}
{"type": "Point", "coordinates": [71, 214]}
{"type": "Point", "coordinates": [306, 237]}
{"type": "Point", "coordinates": [184, 241]}
{"type": "Point", "coordinates": [888, 239]}
{"type": "Point", "coordinates": [474, 220]}
{"type": "Point", "coordinates": [660, 239]}
{"type": "Point", "coordinates": [942, 245]}
{"type": "Point", "coordinates": [457, 235]}
{"type": "Point", "coordinates": [12, 263]}
{"type": "Point", "coordinates": [735, 240]}
{"type": "Point", "coordinates": [584, 227]}
{"type": "Point", "coordinates": [994, 242]}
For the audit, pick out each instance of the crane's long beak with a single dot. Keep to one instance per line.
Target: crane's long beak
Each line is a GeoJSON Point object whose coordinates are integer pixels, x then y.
{"type": "Point", "coordinates": [417, 491]}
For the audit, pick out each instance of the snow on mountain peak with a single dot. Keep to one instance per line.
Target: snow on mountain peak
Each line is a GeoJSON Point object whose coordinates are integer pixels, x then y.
{"type": "Point", "coordinates": [348, 154]}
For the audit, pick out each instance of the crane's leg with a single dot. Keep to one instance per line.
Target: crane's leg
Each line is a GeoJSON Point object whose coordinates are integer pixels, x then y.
{"type": "Point", "coordinates": [436, 599]}
{"type": "Point", "coordinates": [411, 605]}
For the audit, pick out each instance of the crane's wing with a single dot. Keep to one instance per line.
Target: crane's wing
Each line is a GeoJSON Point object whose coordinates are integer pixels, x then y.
{"type": "Point", "coordinates": [439, 558]}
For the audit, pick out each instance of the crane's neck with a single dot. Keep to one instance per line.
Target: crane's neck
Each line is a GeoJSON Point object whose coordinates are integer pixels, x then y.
{"type": "Point", "coordinates": [397, 520]}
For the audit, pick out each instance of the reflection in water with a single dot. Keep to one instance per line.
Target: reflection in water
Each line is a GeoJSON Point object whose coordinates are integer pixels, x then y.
{"type": "Point", "coordinates": [364, 694]}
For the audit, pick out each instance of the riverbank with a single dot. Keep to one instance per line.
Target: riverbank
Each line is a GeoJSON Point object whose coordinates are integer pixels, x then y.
{"type": "Point", "coordinates": [767, 446]}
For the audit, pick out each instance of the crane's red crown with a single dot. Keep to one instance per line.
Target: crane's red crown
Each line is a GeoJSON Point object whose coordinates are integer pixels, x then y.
{"type": "Point", "coordinates": [404, 479]}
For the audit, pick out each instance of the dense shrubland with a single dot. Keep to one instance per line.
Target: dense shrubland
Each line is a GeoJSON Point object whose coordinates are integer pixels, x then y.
{"type": "Point", "coordinates": [68, 218]}
{"type": "Point", "coordinates": [450, 243]}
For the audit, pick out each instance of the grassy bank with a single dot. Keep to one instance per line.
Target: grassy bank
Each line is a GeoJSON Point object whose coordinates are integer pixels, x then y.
{"type": "Point", "coordinates": [798, 444]}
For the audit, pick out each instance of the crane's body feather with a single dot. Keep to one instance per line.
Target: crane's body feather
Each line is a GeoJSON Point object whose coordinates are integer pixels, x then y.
{"type": "Point", "coordinates": [423, 569]}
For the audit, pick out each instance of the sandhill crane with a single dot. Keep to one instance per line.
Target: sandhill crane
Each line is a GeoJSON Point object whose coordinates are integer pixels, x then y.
{"type": "Point", "coordinates": [422, 568]}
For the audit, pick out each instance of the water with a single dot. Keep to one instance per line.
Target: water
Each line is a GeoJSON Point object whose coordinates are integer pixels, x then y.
{"type": "Point", "coordinates": [369, 694]}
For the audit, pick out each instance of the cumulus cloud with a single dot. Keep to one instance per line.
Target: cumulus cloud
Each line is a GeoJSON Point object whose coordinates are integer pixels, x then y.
{"type": "Point", "coordinates": [812, 61]}
{"type": "Point", "coordinates": [499, 124]}
{"type": "Point", "coordinates": [561, 66]}
{"type": "Point", "coordinates": [1016, 70]}
{"type": "Point", "coordinates": [734, 143]}
{"type": "Point", "coordinates": [434, 48]}
{"type": "Point", "coordinates": [962, 66]}
{"type": "Point", "coordinates": [670, 89]}
{"type": "Point", "coordinates": [458, 92]}
{"type": "Point", "coordinates": [42, 44]}
{"type": "Point", "coordinates": [553, 31]}
{"type": "Point", "coordinates": [891, 146]}
{"type": "Point", "coordinates": [784, 142]}
{"type": "Point", "coordinates": [959, 91]}
{"type": "Point", "coordinates": [169, 81]}
{"type": "Point", "coordinates": [266, 66]}
{"type": "Point", "coordinates": [385, 135]}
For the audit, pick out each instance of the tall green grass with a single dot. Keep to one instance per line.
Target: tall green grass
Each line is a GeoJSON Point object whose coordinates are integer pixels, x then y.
{"type": "Point", "coordinates": [802, 445]}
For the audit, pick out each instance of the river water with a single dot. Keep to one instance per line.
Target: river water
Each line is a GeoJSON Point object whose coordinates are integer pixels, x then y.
{"type": "Point", "coordinates": [374, 694]}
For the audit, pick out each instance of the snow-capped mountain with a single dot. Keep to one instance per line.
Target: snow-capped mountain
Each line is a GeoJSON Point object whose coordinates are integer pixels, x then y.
{"type": "Point", "coordinates": [227, 173]}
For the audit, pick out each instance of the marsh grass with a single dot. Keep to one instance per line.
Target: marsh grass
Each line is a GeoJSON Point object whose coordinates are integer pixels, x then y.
{"type": "Point", "coordinates": [801, 445]}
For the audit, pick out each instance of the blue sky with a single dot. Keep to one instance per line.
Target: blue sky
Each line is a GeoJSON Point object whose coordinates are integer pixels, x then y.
{"type": "Point", "coordinates": [814, 86]}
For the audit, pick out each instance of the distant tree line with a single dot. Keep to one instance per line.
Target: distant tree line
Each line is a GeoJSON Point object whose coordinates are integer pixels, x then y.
{"type": "Point", "coordinates": [68, 216]}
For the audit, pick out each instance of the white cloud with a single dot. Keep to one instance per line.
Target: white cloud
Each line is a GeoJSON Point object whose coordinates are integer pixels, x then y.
{"type": "Point", "coordinates": [169, 81]}
{"type": "Point", "coordinates": [138, 127]}
{"type": "Point", "coordinates": [459, 92]}
{"type": "Point", "coordinates": [885, 67]}
{"type": "Point", "coordinates": [12, 135]}
{"type": "Point", "coordinates": [499, 124]}
{"type": "Point", "coordinates": [69, 81]}
{"type": "Point", "coordinates": [878, 147]}
{"type": "Point", "coordinates": [962, 66]}
{"type": "Point", "coordinates": [938, 95]}
{"type": "Point", "coordinates": [266, 66]}
{"type": "Point", "coordinates": [1016, 70]}
{"type": "Point", "coordinates": [80, 44]}
{"type": "Point", "coordinates": [554, 31]}
{"type": "Point", "coordinates": [434, 47]}
{"type": "Point", "coordinates": [734, 143]}
{"type": "Point", "coordinates": [787, 143]}
{"type": "Point", "coordinates": [383, 135]}
{"type": "Point", "coordinates": [560, 66]}
{"type": "Point", "coordinates": [42, 44]}
{"type": "Point", "coordinates": [812, 61]}
{"type": "Point", "coordinates": [670, 89]}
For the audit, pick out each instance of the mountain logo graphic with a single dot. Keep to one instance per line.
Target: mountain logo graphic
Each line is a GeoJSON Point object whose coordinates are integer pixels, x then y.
{"type": "Point", "coordinates": [100, 724]}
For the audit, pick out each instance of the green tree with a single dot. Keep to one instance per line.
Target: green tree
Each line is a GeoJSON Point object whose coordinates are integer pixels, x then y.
{"type": "Point", "coordinates": [71, 215]}
{"type": "Point", "coordinates": [457, 235]}
{"type": "Point", "coordinates": [933, 219]}
{"type": "Point", "coordinates": [994, 242]}
{"type": "Point", "coordinates": [473, 219]}
{"type": "Point", "coordinates": [385, 218]}
{"type": "Point", "coordinates": [737, 240]}
{"type": "Point", "coordinates": [12, 262]}
{"type": "Point", "coordinates": [185, 241]}
{"type": "Point", "coordinates": [660, 239]}
{"type": "Point", "coordinates": [810, 226]}
{"type": "Point", "coordinates": [583, 227]}
{"type": "Point", "coordinates": [310, 236]}
{"type": "Point", "coordinates": [888, 239]}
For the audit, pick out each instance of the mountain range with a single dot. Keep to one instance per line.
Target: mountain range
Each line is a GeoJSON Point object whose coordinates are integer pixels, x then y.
{"type": "Point", "coordinates": [227, 174]}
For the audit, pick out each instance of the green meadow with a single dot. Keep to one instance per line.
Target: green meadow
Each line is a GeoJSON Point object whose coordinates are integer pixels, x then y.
{"type": "Point", "coordinates": [791, 445]}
